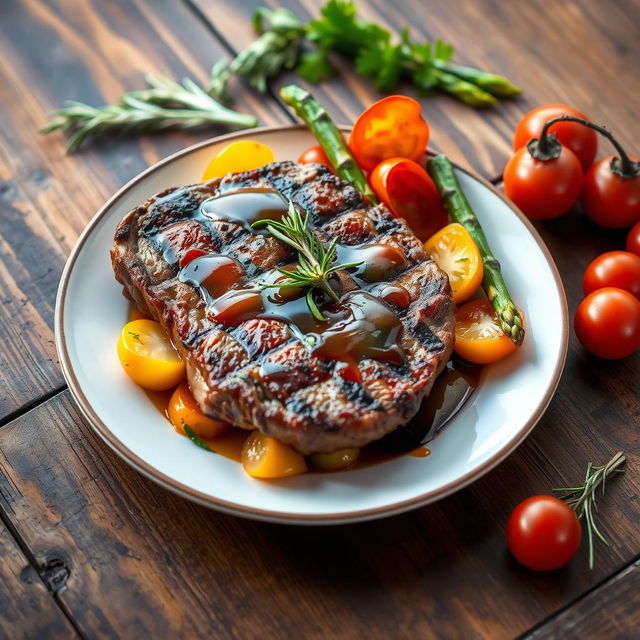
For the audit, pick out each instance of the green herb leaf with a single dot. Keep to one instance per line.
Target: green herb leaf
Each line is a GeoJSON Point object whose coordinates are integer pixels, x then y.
{"type": "Point", "coordinates": [383, 62]}
{"type": "Point", "coordinates": [338, 29]}
{"type": "Point", "coordinates": [195, 439]}
{"type": "Point", "coordinates": [315, 66]}
{"type": "Point", "coordinates": [136, 336]}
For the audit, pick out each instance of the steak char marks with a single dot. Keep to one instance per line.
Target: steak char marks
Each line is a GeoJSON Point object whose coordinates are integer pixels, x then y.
{"type": "Point", "coordinates": [256, 357]}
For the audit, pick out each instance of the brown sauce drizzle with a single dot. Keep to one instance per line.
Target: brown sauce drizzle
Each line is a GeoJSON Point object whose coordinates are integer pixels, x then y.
{"type": "Point", "coordinates": [246, 206]}
{"type": "Point", "coordinates": [359, 326]}
{"type": "Point", "coordinates": [214, 273]}
{"type": "Point", "coordinates": [379, 261]}
{"type": "Point", "coordinates": [392, 294]}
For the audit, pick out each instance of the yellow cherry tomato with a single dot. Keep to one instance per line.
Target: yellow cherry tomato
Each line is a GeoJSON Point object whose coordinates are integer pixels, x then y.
{"type": "Point", "coordinates": [148, 357]}
{"type": "Point", "coordinates": [183, 409]}
{"type": "Point", "coordinates": [479, 338]}
{"type": "Point", "coordinates": [455, 252]}
{"type": "Point", "coordinates": [265, 457]}
{"type": "Point", "coordinates": [341, 459]}
{"type": "Point", "coordinates": [243, 155]}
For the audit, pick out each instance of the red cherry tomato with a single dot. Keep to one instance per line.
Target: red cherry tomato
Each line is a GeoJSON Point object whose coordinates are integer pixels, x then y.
{"type": "Point", "coordinates": [609, 199]}
{"type": "Point", "coordinates": [619, 269]}
{"type": "Point", "coordinates": [633, 239]}
{"type": "Point", "coordinates": [391, 127]}
{"type": "Point", "coordinates": [607, 323]}
{"type": "Point", "coordinates": [581, 140]}
{"type": "Point", "coordinates": [543, 533]}
{"type": "Point", "coordinates": [315, 154]}
{"type": "Point", "coordinates": [409, 192]}
{"type": "Point", "coordinates": [543, 189]}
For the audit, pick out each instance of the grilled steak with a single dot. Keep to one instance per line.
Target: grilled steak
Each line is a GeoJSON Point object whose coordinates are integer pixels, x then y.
{"type": "Point", "coordinates": [256, 357]}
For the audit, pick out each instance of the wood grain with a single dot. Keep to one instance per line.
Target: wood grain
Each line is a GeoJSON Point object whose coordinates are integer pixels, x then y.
{"type": "Point", "coordinates": [128, 559]}
{"type": "Point", "coordinates": [88, 51]}
{"type": "Point", "coordinates": [557, 52]}
{"type": "Point", "coordinates": [173, 567]}
{"type": "Point", "coordinates": [27, 609]}
{"type": "Point", "coordinates": [610, 611]}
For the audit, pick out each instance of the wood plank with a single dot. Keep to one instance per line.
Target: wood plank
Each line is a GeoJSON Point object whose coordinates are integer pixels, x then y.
{"type": "Point", "coordinates": [88, 51]}
{"type": "Point", "coordinates": [539, 46]}
{"type": "Point", "coordinates": [610, 611]}
{"type": "Point", "coordinates": [27, 609]}
{"type": "Point", "coordinates": [171, 567]}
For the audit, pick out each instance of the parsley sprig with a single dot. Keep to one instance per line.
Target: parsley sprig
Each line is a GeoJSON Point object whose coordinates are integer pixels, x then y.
{"type": "Point", "coordinates": [377, 55]}
{"type": "Point", "coordinates": [315, 261]}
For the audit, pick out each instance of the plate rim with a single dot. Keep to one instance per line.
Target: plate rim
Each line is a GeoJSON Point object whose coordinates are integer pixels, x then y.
{"type": "Point", "coordinates": [269, 515]}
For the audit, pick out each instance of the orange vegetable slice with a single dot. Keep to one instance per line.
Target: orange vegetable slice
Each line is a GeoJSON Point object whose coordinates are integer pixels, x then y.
{"type": "Point", "coordinates": [148, 356]}
{"type": "Point", "coordinates": [183, 409]}
{"type": "Point", "coordinates": [479, 338]}
{"type": "Point", "coordinates": [266, 457]}
{"type": "Point", "coordinates": [243, 155]}
{"type": "Point", "coordinates": [455, 252]}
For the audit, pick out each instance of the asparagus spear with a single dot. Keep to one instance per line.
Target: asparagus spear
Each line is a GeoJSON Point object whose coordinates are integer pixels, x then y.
{"type": "Point", "coordinates": [460, 211]}
{"type": "Point", "coordinates": [468, 92]}
{"type": "Point", "coordinates": [492, 83]}
{"type": "Point", "coordinates": [322, 126]}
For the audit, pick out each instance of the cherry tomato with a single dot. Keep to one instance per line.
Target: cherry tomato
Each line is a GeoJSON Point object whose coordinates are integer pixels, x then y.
{"type": "Point", "coordinates": [409, 192]}
{"type": "Point", "coordinates": [619, 269]}
{"type": "Point", "coordinates": [543, 189]}
{"type": "Point", "coordinates": [543, 533]}
{"type": "Point", "coordinates": [609, 199]}
{"type": "Point", "coordinates": [183, 409]}
{"type": "Point", "coordinates": [243, 155]}
{"type": "Point", "coordinates": [148, 356]}
{"type": "Point", "coordinates": [633, 239]}
{"type": "Point", "coordinates": [607, 323]}
{"type": "Point", "coordinates": [391, 127]}
{"type": "Point", "coordinates": [266, 457]}
{"type": "Point", "coordinates": [341, 459]}
{"type": "Point", "coordinates": [315, 154]}
{"type": "Point", "coordinates": [581, 140]}
{"type": "Point", "coordinates": [455, 252]}
{"type": "Point", "coordinates": [479, 338]}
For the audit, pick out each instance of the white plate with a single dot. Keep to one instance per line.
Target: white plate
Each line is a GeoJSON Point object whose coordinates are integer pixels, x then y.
{"type": "Point", "coordinates": [510, 399]}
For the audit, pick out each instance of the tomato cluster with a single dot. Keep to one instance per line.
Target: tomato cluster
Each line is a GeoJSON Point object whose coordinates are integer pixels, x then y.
{"type": "Point", "coordinates": [553, 167]}
{"type": "Point", "coordinates": [607, 321]}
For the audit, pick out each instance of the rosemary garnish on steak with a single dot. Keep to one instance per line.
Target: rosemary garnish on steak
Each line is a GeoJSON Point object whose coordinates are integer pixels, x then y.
{"type": "Point", "coordinates": [315, 261]}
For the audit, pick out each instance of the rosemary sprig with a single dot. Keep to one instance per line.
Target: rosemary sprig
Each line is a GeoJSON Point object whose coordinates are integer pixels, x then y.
{"type": "Point", "coordinates": [165, 104]}
{"type": "Point", "coordinates": [582, 499]}
{"type": "Point", "coordinates": [315, 261]}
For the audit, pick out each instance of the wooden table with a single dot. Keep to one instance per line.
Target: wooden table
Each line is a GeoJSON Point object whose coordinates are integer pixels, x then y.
{"type": "Point", "coordinates": [90, 548]}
